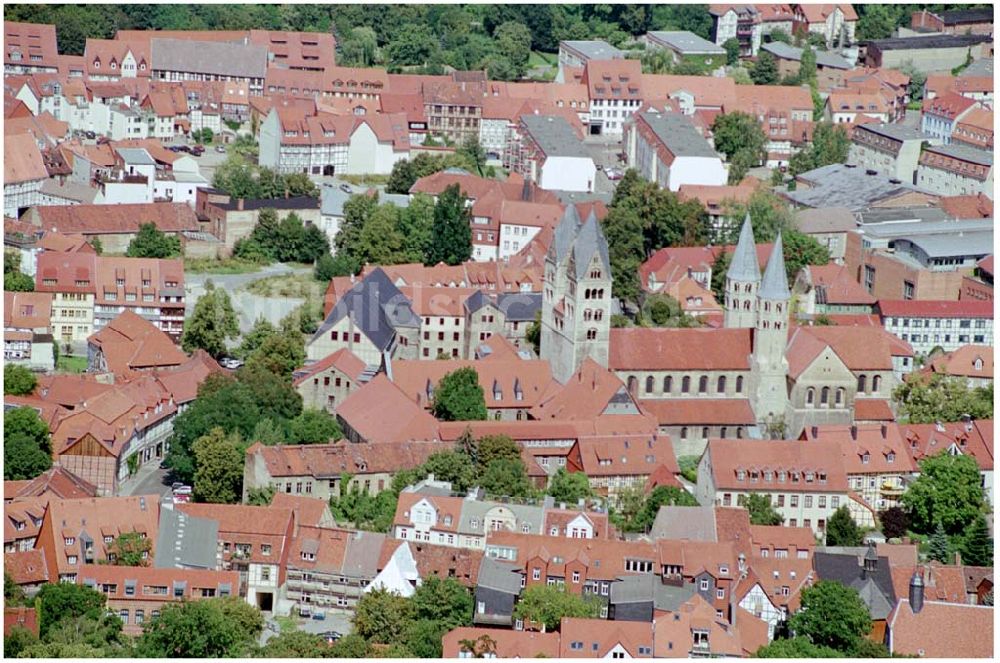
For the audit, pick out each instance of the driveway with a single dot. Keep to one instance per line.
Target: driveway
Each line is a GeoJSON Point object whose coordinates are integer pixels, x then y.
{"type": "Point", "coordinates": [149, 480]}
{"type": "Point", "coordinates": [604, 151]}
{"type": "Point", "coordinates": [339, 622]}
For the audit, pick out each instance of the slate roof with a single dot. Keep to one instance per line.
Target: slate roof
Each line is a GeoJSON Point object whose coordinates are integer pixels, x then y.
{"type": "Point", "coordinates": [649, 588]}
{"type": "Point", "coordinates": [590, 240]}
{"type": "Point", "coordinates": [788, 52]}
{"type": "Point", "coordinates": [928, 42]}
{"type": "Point", "coordinates": [186, 541]}
{"type": "Point", "coordinates": [774, 285]}
{"type": "Point", "coordinates": [377, 308]}
{"type": "Point", "coordinates": [223, 59]}
{"type": "Point", "coordinates": [846, 568]}
{"type": "Point", "coordinates": [686, 42]}
{"type": "Point", "coordinates": [500, 576]}
{"type": "Point", "coordinates": [555, 136]}
{"type": "Point", "coordinates": [744, 266]}
{"type": "Point", "coordinates": [678, 134]}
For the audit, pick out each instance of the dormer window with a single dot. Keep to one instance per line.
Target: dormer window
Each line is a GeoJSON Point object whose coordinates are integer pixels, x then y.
{"type": "Point", "coordinates": [308, 556]}
{"type": "Point", "coordinates": [97, 64]}
{"type": "Point", "coordinates": [865, 458]}
{"type": "Point", "coordinates": [890, 457]}
{"type": "Point", "coordinates": [69, 540]}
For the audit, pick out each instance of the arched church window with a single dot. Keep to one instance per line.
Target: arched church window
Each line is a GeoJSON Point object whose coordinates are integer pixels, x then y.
{"type": "Point", "coordinates": [824, 396]}
{"type": "Point", "coordinates": [810, 396]}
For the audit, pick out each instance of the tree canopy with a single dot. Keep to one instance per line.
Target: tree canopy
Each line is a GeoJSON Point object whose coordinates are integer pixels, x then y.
{"type": "Point", "coordinates": [18, 380]}
{"type": "Point", "coordinates": [546, 605]}
{"type": "Point", "coordinates": [942, 398]}
{"type": "Point", "coordinates": [459, 397]}
{"type": "Point", "coordinates": [212, 323]}
{"type": "Point", "coordinates": [948, 492]}
{"type": "Point", "coordinates": [218, 457]}
{"type": "Point", "coordinates": [841, 530]}
{"type": "Point", "coordinates": [151, 242]}
{"type": "Point", "coordinates": [208, 628]}
{"type": "Point", "coordinates": [27, 447]}
{"type": "Point", "coordinates": [569, 487]}
{"type": "Point", "coordinates": [831, 615]}
{"type": "Point", "coordinates": [761, 511]}
{"type": "Point", "coordinates": [739, 136]}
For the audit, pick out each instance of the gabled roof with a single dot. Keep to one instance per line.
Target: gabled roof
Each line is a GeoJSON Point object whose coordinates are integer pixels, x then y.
{"type": "Point", "coordinates": [941, 630]}
{"type": "Point", "coordinates": [642, 348]}
{"type": "Point", "coordinates": [365, 412]}
{"type": "Point", "coordinates": [342, 360]}
{"type": "Point", "coordinates": [22, 160]}
{"type": "Point", "coordinates": [130, 342]}
{"type": "Point", "coordinates": [57, 482]}
{"type": "Point", "coordinates": [376, 307]}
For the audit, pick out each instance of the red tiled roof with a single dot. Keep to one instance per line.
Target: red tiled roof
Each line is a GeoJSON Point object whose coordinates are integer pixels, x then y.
{"type": "Point", "coordinates": [840, 287]}
{"type": "Point", "coordinates": [883, 445]}
{"type": "Point", "coordinates": [600, 636]}
{"type": "Point", "coordinates": [699, 411]}
{"type": "Point", "coordinates": [509, 643]}
{"type": "Point", "coordinates": [927, 308]}
{"type": "Point", "coordinates": [57, 482]}
{"type": "Point", "coordinates": [532, 377]}
{"type": "Point", "coordinates": [640, 348]}
{"type": "Point", "coordinates": [949, 105]}
{"type": "Point", "coordinates": [973, 439]}
{"type": "Point", "coordinates": [730, 456]}
{"type": "Point", "coordinates": [22, 160]}
{"type": "Point", "coordinates": [27, 567]}
{"type": "Point", "coordinates": [963, 362]}
{"type": "Point", "coordinates": [332, 460]}
{"type": "Point", "coordinates": [872, 409]}
{"type": "Point", "coordinates": [343, 360]}
{"type": "Point", "coordinates": [130, 343]}
{"type": "Point", "coordinates": [364, 411]}
{"type": "Point", "coordinates": [126, 218]}
{"type": "Point", "coordinates": [941, 630]}
{"type": "Point", "coordinates": [972, 206]}
{"type": "Point", "coordinates": [31, 41]}
{"type": "Point", "coordinates": [27, 310]}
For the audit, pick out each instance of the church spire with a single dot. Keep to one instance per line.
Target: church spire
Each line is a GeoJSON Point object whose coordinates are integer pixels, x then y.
{"type": "Point", "coordinates": [775, 284]}
{"type": "Point", "coordinates": [743, 266]}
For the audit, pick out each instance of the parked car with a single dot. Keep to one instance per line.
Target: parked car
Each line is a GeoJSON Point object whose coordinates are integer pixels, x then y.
{"type": "Point", "coordinates": [346, 188]}
{"type": "Point", "coordinates": [231, 363]}
{"type": "Point", "coordinates": [90, 134]}
{"type": "Point", "coordinates": [177, 484]}
{"type": "Point", "coordinates": [198, 150]}
{"type": "Point", "coordinates": [181, 499]}
{"type": "Point", "coordinates": [319, 616]}
{"type": "Point", "coordinates": [221, 149]}
{"type": "Point", "coordinates": [183, 491]}
{"type": "Point", "coordinates": [613, 174]}
{"type": "Point", "coordinates": [331, 636]}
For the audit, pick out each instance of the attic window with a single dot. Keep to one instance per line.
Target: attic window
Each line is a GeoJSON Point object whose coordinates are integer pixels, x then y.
{"type": "Point", "coordinates": [865, 458]}
{"type": "Point", "coordinates": [890, 457]}
{"type": "Point", "coordinates": [308, 556]}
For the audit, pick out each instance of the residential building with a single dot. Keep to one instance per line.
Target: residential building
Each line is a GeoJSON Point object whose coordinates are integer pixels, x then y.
{"type": "Point", "coordinates": [835, 23]}
{"type": "Point", "coordinates": [830, 67]}
{"type": "Point", "coordinates": [666, 149]}
{"type": "Point", "coordinates": [831, 288]}
{"type": "Point", "coordinates": [968, 437]}
{"type": "Point", "coordinates": [975, 129]}
{"type": "Point", "coordinates": [29, 48]}
{"type": "Point", "coordinates": [72, 281]}
{"type": "Point", "coordinates": [942, 114]}
{"type": "Point", "coordinates": [971, 363]}
{"type": "Point", "coordinates": [740, 22]}
{"type": "Point", "coordinates": [877, 463]}
{"type": "Point", "coordinates": [615, 90]}
{"type": "Point", "coordinates": [806, 481]}
{"type": "Point", "coordinates": [575, 54]}
{"type": "Point", "coordinates": [329, 568]}
{"type": "Point", "coordinates": [928, 324]}
{"type": "Point", "coordinates": [617, 464]}
{"type": "Point", "coordinates": [454, 106]}
{"type": "Point", "coordinates": [325, 144]}
{"type": "Point", "coordinates": [956, 169]}
{"type": "Point", "coordinates": [316, 470]}
{"type": "Point", "coordinates": [550, 153]}
{"type": "Point", "coordinates": [853, 107]}
{"type": "Point", "coordinates": [866, 570]}
{"type": "Point", "coordinates": [687, 47]}
{"type": "Point", "coordinates": [911, 628]}
{"type": "Point", "coordinates": [506, 643]}
{"type": "Point", "coordinates": [181, 59]}
{"type": "Point", "coordinates": [137, 594]}
{"type": "Point", "coordinates": [362, 415]}
{"type": "Point", "coordinates": [23, 174]}
{"type": "Point", "coordinates": [129, 343]}
{"type": "Point", "coordinates": [79, 532]}
{"type": "Point", "coordinates": [231, 220]}
{"type": "Point", "coordinates": [27, 330]}
{"type": "Point", "coordinates": [890, 149]}
{"type": "Point", "coordinates": [256, 543]}
{"type": "Point", "coordinates": [338, 371]}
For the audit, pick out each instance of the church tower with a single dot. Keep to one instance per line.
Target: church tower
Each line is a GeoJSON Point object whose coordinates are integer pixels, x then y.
{"type": "Point", "coordinates": [768, 367]}
{"type": "Point", "coordinates": [576, 302]}
{"type": "Point", "coordinates": [742, 281]}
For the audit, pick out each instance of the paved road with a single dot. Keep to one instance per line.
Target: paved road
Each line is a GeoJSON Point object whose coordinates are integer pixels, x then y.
{"type": "Point", "coordinates": [194, 284]}
{"type": "Point", "coordinates": [150, 480]}
{"type": "Point", "coordinates": [335, 621]}
{"type": "Point", "coordinates": [605, 153]}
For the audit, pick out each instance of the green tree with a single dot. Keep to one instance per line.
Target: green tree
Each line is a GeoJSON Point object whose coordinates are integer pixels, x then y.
{"type": "Point", "coordinates": [27, 448]}
{"type": "Point", "coordinates": [830, 145]}
{"type": "Point", "coordinates": [260, 496]}
{"type": "Point", "coordinates": [807, 66]}
{"type": "Point", "coordinates": [209, 628]}
{"type": "Point", "coordinates": [942, 398]}
{"type": "Point", "coordinates": [12, 592]}
{"type": "Point", "coordinates": [60, 601]}
{"type": "Point", "coordinates": [495, 447]}
{"type": "Point", "coordinates": [359, 47]}
{"type": "Point", "coordinates": [831, 615]}
{"type": "Point", "coordinates": [382, 616]}
{"type": "Point", "coordinates": [325, 268]}
{"type": "Point", "coordinates": [280, 353]}
{"type": "Point", "coordinates": [765, 71]}
{"type": "Point", "coordinates": [800, 250]}
{"type": "Point", "coordinates": [948, 492]}
{"type": "Point", "coordinates": [977, 546]}
{"type": "Point", "coordinates": [17, 281]}
{"type": "Point", "coordinates": [732, 46]}
{"type": "Point", "coordinates": [451, 236]}
{"type": "Point", "coordinates": [761, 511]}
{"type": "Point", "coordinates": [380, 242]}
{"type": "Point", "coordinates": [569, 487]}
{"type": "Point", "coordinates": [314, 427]}
{"type": "Point", "coordinates": [451, 466]}
{"type": "Point", "coordinates": [262, 330]}
{"type": "Point", "coordinates": [739, 136]}
{"type": "Point", "coordinates": [459, 397]}
{"type": "Point", "coordinates": [295, 644]}
{"type": "Point", "coordinates": [662, 310]}
{"type": "Point", "coordinates": [841, 530]}
{"type": "Point", "coordinates": [939, 550]}
{"type": "Point", "coordinates": [415, 225]}
{"type": "Point", "coordinates": [533, 334]}
{"type": "Point", "coordinates": [17, 640]}
{"type": "Point", "coordinates": [799, 647]}
{"type": "Point", "coordinates": [546, 605]}
{"type": "Point", "coordinates": [508, 478]}
{"type": "Point", "coordinates": [131, 549]}
{"type": "Point", "coordinates": [640, 517]}
{"type": "Point", "coordinates": [513, 40]}
{"type": "Point", "coordinates": [218, 458]}
{"type": "Point", "coordinates": [443, 601]}
{"type": "Point", "coordinates": [876, 22]}
{"type": "Point", "coordinates": [351, 646]}
{"type": "Point", "coordinates": [474, 152]}
{"type": "Point", "coordinates": [211, 324]}
{"type": "Point", "coordinates": [414, 45]}
{"type": "Point", "coordinates": [18, 380]}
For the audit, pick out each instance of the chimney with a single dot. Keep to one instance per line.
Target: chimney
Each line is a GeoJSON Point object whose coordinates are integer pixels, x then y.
{"type": "Point", "coordinates": [885, 431]}
{"type": "Point", "coordinates": [239, 204]}
{"type": "Point", "coordinates": [967, 419]}
{"type": "Point", "coordinates": [854, 432]}
{"type": "Point", "coordinates": [815, 431]}
{"type": "Point", "coordinates": [916, 592]}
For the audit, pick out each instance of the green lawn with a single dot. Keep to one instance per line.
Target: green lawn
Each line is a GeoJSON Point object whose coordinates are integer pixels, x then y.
{"type": "Point", "coordinates": [539, 59]}
{"type": "Point", "coordinates": [71, 364]}
{"type": "Point", "coordinates": [287, 285]}
{"type": "Point", "coordinates": [213, 266]}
